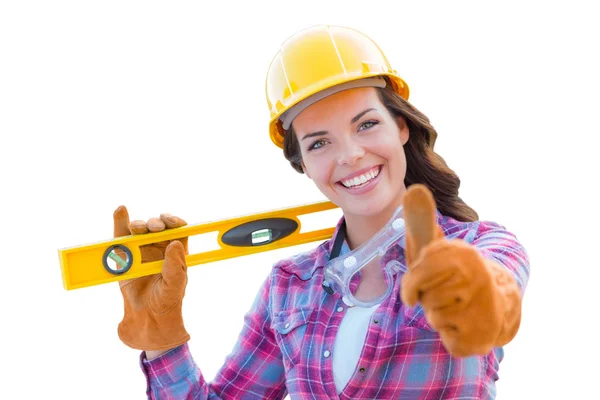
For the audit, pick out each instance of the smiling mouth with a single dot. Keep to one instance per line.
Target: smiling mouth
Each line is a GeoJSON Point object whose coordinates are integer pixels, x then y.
{"type": "Point", "coordinates": [362, 180]}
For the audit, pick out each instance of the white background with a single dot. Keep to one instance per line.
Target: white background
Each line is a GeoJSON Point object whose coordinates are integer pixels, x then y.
{"type": "Point", "coordinates": [160, 106]}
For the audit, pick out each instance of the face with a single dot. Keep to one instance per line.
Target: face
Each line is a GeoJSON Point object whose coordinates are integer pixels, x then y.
{"type": "Point", "coordinates": [352, 148]}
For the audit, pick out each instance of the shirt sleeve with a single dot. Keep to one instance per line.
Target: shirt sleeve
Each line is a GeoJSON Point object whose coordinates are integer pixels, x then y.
{"type": "Point", "coordinates": [497, 244]}
{"type": "Point", "coordinates": [253, 370]}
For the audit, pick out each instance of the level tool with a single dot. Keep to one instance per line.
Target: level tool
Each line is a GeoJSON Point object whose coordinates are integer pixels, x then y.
{"type": "Point", "coordinates": [120, 258]}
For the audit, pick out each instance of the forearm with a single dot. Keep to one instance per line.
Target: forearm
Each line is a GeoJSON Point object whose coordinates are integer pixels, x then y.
{"type": "Point", "coordinates": [152, 354]}
{"type": "Point", "coordinates": [254, 368]}
{"type": "Point", "coordinates": [509, 265]}
{"type": "Point", "coordinates": [174, 375]}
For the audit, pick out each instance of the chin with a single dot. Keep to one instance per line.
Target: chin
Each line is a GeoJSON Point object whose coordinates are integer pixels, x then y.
{"type": "Point", "coordinates": [365, 208]}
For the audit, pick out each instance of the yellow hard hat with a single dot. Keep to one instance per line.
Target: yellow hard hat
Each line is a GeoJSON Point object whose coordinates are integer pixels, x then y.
{"type": "Point", "coordinates": [320, 58]}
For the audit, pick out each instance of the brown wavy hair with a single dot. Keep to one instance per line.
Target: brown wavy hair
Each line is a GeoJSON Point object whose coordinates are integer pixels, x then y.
{"type": "Point", "coordinates": [423, 165]}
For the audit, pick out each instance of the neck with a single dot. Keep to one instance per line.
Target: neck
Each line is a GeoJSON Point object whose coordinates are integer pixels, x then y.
{"type": "Point", "coordinates": [361, 228]}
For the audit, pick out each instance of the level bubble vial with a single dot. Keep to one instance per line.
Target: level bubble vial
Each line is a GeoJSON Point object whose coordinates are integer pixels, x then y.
{"type": "Point", "coordinates": [262, 236]}
{"type": "Point", "coordinates": [117, 259]}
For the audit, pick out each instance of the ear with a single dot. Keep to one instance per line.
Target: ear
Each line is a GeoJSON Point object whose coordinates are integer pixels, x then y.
{"type": "Point", "coordinates": [404, 131]}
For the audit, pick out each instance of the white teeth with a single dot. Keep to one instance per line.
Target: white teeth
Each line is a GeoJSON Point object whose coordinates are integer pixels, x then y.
{"type": "Point", "coordinates": [361, 180]}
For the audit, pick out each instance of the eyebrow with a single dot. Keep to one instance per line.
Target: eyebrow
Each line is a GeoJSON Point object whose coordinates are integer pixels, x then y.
{"type": "Point", "coordinates": [353, 120]}
{"type": "Point", "coordinates": [309, 135]}
{"type": "Point", "coordinates": [360, 114]}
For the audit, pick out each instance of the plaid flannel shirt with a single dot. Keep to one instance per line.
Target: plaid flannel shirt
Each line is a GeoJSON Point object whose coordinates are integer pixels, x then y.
{"type": "Point", "coordinates": [286, 344]}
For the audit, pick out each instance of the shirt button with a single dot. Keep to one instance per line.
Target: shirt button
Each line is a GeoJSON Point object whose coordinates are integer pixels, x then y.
{"type": "Point", "coordinates": [340, 309]}
{"type": "Point", "coordinates": [362, 369]}
{"type": "Point", "coordinates": [287, 325]}
{"type": "Point", "coordinates": [375, 321]}
{"type": "Point", "coordinates": [327, 353]}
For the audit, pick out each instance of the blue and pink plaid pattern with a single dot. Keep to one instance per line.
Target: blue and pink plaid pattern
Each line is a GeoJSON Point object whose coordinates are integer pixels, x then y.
{"type": "Point", "coordinates": [287, 340]}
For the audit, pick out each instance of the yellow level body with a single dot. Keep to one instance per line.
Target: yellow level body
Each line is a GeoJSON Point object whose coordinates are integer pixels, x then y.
{"type": "Point", "coordinates": [84, 266]}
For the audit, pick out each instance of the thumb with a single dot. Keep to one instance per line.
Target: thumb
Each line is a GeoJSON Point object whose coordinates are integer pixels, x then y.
{"type": "Point", "coordinates": [121, 222]}
{"type": "Point", "coordinates": [420, 219]}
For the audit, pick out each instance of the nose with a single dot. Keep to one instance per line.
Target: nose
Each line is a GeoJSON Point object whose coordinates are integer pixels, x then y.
{"type": "Point", "coordinates": [350, 152]}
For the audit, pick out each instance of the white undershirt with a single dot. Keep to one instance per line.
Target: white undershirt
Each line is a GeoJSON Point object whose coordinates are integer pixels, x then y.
{"type": "Point", "coordinates": [349, 342]}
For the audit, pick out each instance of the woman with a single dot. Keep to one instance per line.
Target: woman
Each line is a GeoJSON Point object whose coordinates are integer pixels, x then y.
{"type": "Point", "coordinates": [340, 114]}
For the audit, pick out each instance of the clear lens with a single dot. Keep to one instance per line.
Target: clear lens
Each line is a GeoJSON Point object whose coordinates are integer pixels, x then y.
{"type": "Point", "coordinates": [342, 272]}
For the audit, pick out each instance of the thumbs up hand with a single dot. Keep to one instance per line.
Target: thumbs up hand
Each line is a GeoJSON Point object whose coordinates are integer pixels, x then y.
{"type": "Point", "coordinates": [473, 303]}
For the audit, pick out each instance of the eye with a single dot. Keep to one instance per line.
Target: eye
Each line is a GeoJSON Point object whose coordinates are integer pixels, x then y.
{"type": "Point", "coordinates": [316, 145]}
{"type": "Point", "coordinates": [368, 124]}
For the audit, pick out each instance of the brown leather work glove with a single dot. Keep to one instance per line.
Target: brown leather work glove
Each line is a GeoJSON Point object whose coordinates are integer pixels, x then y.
{"type": "Point", "coordinates": [473, 303]}
{"type": "Point", "coordinates": [153, 319]}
